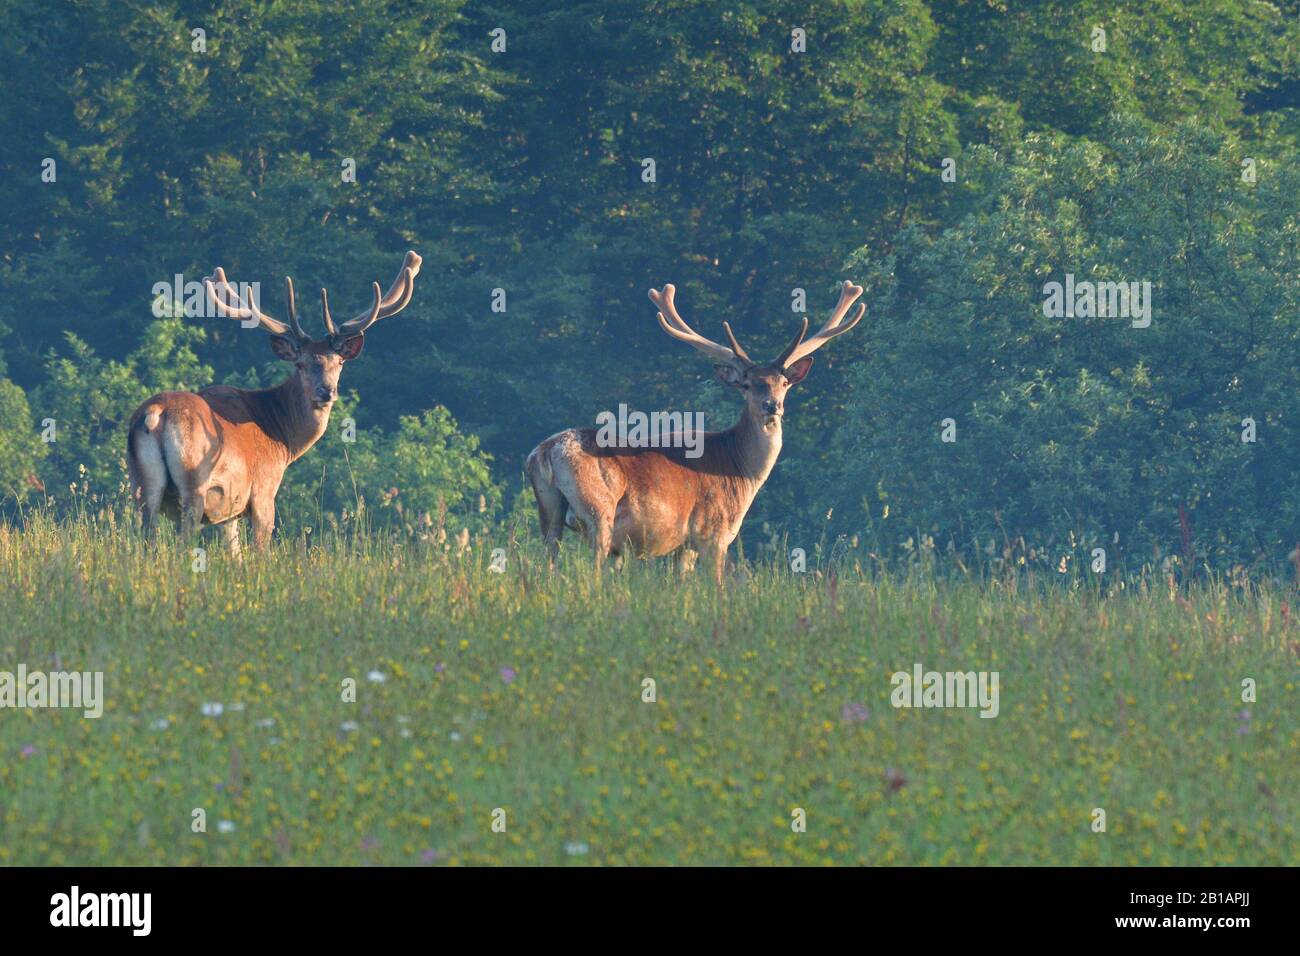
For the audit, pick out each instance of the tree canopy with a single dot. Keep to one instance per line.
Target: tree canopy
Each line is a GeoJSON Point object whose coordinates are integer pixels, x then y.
{"type": "Point", "coordinates": [558, 159]}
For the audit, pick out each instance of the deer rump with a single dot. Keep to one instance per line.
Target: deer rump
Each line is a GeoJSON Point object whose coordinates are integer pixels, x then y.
{"type": "Point", "coordinates": [146, 462]}
{"type": "Point", "coordinates": [153, 463]}
{"type": "Point", "coordinates": [651, 501]}
{"type": "Point", "coordinates": [159, 437]}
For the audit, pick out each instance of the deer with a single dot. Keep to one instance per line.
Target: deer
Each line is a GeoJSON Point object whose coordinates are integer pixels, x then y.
{"type": "Point", "coordinates": [654, 502]}
{"type": "Point", "coordinates": [213, 456]}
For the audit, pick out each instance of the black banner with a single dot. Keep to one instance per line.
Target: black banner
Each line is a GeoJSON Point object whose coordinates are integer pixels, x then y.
{"type": "Point", "coordinates": [335, 905]}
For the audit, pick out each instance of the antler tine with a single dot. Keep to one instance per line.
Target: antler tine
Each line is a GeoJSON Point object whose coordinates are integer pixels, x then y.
{"type": "Point", "coordinates": [834, 326]}
{"type": "Point", "coordinates": [394, 301]}
{"type": "Point", "coordinates": [221, 293]}
{"type": "Point", "coordinates": [848, 295]}
{"type": "Point", "coordinates": [293, 311]}
{"type": "Point", "coordinates": [735, 346]}
{"type": "Point", "coordinates": [329, 320]}
{"type": "Point", "coordinates": [782, 359]}
{"type": "Point", "coordinates": [676, 326]}
{"type": "Point", "coordinates": [411, 263]}
{"type": "Point", "coordinates": [666, 305]}
{"type": "Point", "coordinates": [353, 327]}
{"type": "Point", "coordinates": [325, 312]}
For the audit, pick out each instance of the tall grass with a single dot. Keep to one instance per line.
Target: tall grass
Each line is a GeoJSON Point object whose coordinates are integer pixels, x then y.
{"type": "Point", "coordinates": [523, 691]}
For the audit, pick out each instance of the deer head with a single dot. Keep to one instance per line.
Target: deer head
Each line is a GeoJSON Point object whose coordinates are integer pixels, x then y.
{"type": "Point", "coordinates": [318, 361]}
{"type": "Point", "coordinates": [764, 385]}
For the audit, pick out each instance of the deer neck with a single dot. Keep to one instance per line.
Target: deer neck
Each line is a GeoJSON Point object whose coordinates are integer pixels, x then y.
{"type": "Point", "coordinates": [754, 449]}
{"type": "Point", "coordinates": [292, 420]}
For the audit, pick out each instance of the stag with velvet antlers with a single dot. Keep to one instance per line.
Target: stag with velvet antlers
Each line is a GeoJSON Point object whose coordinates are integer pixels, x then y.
{"type": "Point", "coordinates": [652, 502]}
{"type": "Point", "coordinates": [213, 456]}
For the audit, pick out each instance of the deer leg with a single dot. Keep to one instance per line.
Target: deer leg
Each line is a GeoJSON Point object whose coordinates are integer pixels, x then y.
{"type": "Point", "coordinates": [263, 521]}
{"type": "Point", "coordinates": [714, 556]}
{"type": "Point", "coordinates": [191, 515]}
{"type": "Point", "coordinates": [598, 516]}
{"type": "Point", "coordinates": [551, 512]}
{"type": "Point", "coordinates": [602, 538]}
{"type": "Point", "coordinates": [148, 477]}
{"type": "Point", "coordinates": [683, 561]}
{"type": "Point", "coordinates": [624, 550]}
{"type": "Point", "coordinates": [149, 505]}
{"type": "Point", "coordinates": [231, 531]}
{"type": "Point", "coordinates": [556, 531]}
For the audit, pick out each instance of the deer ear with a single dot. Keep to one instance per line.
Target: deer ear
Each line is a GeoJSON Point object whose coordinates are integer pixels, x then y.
{"type": "Point", "coordinates": [284, 347]}
{"type": "Point", "coordinates": [728, 375]}
{"type": "Point", "coordinates": [349, 349]}
{"type": "Point", "coordinates": [796, 372]}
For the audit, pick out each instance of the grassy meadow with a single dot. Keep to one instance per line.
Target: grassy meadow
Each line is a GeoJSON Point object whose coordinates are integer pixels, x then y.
{"type": "Point", "coordinates": [522, 690]}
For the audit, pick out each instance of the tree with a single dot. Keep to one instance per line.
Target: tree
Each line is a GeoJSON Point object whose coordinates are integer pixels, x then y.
{"type": "Point", "coordinates": [1088, 426]}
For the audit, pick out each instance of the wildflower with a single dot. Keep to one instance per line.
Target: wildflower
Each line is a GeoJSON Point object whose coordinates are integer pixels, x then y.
{"type": "Point", "coordinates": [376, 677]}
{"type": "Point", "coordinates": [507, 674]}
{"type": "Point", "coordinates": [212, 710]}
{"type": "Point", "coordinates": [854, 713]}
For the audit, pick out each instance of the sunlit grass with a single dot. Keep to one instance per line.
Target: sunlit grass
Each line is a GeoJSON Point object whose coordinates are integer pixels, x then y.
{"type": "Point", "coordinates": [522, 690]}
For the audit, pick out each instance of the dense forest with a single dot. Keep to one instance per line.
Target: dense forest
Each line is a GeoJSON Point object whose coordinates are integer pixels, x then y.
{"type": "Point", "coordinates": [553, 161]}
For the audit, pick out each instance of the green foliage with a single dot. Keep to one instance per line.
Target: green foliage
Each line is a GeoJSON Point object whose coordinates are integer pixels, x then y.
{"type": "Point", "coordinates": [423, 478]}
{"type": "Point", "coordinates": [21, 448]}
{"type": "Point", "coordinates": [1164, 59]}
{"type": "Point", "coordinates": [434, 467]}
{"type": "Point", "coordinates": [1088, 425]}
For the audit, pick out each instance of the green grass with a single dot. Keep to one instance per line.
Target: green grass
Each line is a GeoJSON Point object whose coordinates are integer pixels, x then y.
{"type": "Point", "coordinates": [772, 697]}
